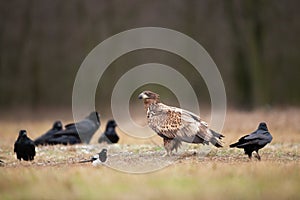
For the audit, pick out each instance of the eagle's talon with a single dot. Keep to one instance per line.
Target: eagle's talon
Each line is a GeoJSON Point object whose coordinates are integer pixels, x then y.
{"type": "Point", "coordinates": [167, 154]}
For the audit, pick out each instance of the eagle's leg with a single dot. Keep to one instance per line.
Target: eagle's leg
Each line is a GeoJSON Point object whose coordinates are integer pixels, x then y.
{"type": "Point", "coordinates": [176, 144]}
{"type": "Point", "coordinates": [168, 153]}
{"type": "Point", "coordinates": [168, 144]}
{"type": "Point", "coordinates": [257, 155]}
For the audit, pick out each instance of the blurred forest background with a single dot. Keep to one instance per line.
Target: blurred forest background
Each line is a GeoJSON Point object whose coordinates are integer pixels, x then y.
{"type": "Point", "coordinates": [254, 43]}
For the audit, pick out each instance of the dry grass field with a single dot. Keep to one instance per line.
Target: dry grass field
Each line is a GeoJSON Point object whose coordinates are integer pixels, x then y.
{"type": "Point", "coordinates": [221, 174]}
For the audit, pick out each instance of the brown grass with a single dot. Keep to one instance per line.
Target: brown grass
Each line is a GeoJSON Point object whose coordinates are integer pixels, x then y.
{"type": "Point", "coordinates": [222, 174]}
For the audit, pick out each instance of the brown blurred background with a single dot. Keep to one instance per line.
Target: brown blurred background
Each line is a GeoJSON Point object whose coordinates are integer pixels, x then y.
{"type": "Point", "coordinates": [255, 44]}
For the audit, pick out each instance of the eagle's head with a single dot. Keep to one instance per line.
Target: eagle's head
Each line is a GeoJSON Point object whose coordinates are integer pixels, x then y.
{"type": "Point", "coordinates": [149, 98]}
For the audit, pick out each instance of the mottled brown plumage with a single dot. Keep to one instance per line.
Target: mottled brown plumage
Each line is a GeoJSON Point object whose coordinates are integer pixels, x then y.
{"type": "Point", "coordinates": [175, 125]}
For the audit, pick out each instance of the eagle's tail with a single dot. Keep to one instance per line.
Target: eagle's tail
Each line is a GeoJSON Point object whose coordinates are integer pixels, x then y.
{"type": "Point", "coordinates": [214, 140]}
{"type": "Point", "coordinates": [218, 135]}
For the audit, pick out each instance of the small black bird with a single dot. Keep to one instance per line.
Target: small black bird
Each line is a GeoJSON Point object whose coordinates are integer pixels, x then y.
{"type": "Point", "coordinates": [24, 147]}
{"type": "Point", "coordinates": [102, 157]}
{"type": "Point", "coordinates": [109, 136]}
{"type": "Point", "coordinates": [254, 141]}
{"type": "Point", "coordinates": [78, 132]}
{"type": "Point", "coordinates": [44, 139]}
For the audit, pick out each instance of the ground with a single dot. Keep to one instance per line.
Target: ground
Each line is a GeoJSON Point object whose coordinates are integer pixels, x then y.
{"type": "Point", "coordinates": [195, 172]}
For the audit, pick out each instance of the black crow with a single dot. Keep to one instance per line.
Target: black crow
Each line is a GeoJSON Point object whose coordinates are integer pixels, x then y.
{"type": "Point", "coordinates": [254, 141]}
{"type": "Point", "coordinates": [24, 147]}
{"type": "Point", "coordinates": [44, 139]}
{"type": "Point", "coordinates": [64, 139]}
{"type": "Point", "coordinates": [78, 132]}
{"type": "Point", "coordinates": [109, 136]}
{"type": "Point", "coordinates": [102, 157]}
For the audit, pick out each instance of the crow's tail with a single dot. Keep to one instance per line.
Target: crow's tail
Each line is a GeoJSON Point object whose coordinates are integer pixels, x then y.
{"type": "Point", "coordinates": [233, 145]}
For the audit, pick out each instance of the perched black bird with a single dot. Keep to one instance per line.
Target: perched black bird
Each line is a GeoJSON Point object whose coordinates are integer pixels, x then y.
{"type": "Point", "coordinates": [46, 138]}
{"type": "Point", "coordinates": [254, 141]}
{"type": "Point", "coordinates": [78, 132]}
{"type": "Point", "coordinates": [24, 147]}
{"type": "Point", "coordinates": [64, 139]}
{"type": "Point", "coordinates": [102, 157]}
{"type": "Point", "coordinates": [109, 136]}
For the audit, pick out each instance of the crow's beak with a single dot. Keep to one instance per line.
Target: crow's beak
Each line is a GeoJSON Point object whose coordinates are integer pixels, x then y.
{"type": "Point", "coordinates": [143, 96]}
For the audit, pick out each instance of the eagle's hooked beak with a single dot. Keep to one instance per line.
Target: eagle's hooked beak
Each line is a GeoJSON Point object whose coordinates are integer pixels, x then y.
{"type": "Point", "coordinates": [143, 96]}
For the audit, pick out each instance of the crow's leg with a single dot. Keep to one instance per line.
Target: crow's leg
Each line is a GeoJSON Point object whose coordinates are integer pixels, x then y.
{"type": "Point", "coordinates": [250, 155]}
{"type": "Point", "coordinates": [257, 155]}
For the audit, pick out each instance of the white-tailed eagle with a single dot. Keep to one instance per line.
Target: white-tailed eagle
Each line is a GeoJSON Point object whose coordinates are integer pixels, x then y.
{"type": "Point", "coordinates": [176, 125]}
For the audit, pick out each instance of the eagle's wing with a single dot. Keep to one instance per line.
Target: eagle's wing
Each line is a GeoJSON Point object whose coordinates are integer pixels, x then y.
{"type": "Point", "coordinates": [172, 122]}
